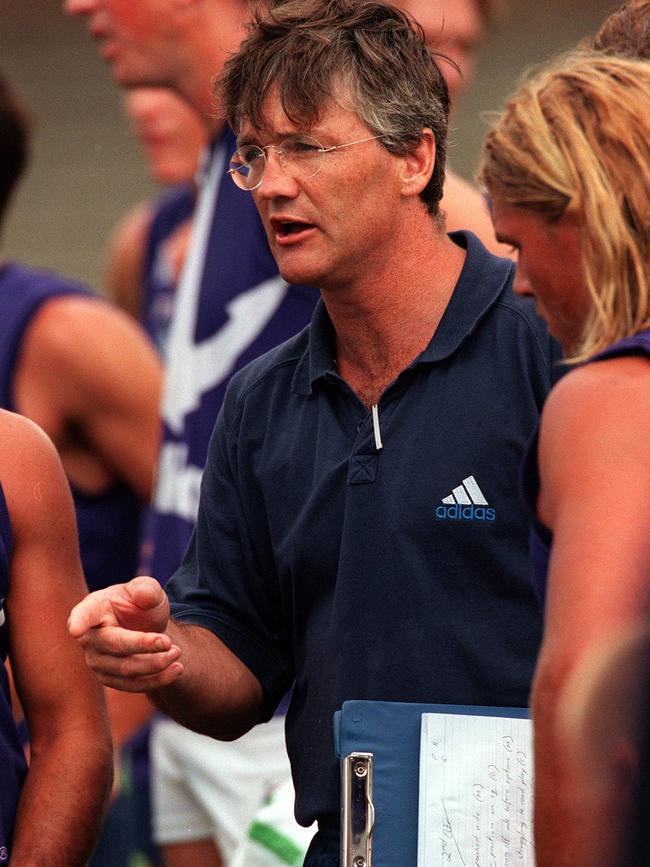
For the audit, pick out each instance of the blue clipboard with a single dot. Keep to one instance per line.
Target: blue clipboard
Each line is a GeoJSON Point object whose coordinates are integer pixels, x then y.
{"type": "Point", "coordinates": [390, 731]}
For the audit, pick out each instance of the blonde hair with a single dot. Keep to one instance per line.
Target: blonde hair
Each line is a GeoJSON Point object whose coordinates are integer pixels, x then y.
{"type": "Point", "coordinates": [575, 139]}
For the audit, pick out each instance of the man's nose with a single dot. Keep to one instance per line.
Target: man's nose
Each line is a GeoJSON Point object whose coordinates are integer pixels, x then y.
{"type": "Point", "coordinates": [276, 180]}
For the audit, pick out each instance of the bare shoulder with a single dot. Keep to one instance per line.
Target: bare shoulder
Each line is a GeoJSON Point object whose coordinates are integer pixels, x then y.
{"type": "Point", "coordinates": [595, 430]}
{"type": "Point", "coordinates": [30, 468]}
{"type": "Point", "coordinates": [615, 389]}
{"type": "Point", "coordinates": [70, 330]}
{"type": "Point", "coordinates": [20, 437]}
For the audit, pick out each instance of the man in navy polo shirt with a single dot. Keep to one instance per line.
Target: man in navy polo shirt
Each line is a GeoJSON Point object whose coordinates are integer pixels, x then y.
{"type": "Point", "coordinates": [359, 531]}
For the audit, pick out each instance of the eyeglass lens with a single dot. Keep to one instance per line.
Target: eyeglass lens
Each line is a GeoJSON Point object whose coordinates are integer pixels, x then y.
{"type": "Point", "coordinates": [300, 155]}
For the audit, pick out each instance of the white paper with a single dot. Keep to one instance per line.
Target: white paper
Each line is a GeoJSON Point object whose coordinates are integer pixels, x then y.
{"type": "Point", "coordinates": [476, 785]}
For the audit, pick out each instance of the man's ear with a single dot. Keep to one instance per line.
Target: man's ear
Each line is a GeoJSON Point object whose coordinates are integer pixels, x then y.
{"type": "Point", "coordinates": [417, 166]}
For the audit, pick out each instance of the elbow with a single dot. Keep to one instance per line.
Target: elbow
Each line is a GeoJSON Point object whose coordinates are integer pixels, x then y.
{"type": "Point", "coordinates": [549, 685]}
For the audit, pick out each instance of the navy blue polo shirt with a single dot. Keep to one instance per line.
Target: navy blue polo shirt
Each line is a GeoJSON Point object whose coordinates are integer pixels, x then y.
{"type": "Point", "coordinates": [397, 574]}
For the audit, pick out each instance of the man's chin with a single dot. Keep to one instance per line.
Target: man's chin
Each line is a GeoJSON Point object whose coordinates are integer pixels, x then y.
{"type": "Point", "coordinates": [129, 79]}
{"type": "Point", "coordinates": [298, 276]}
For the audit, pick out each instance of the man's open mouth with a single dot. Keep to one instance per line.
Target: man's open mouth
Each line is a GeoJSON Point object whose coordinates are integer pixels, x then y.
{"type": "Point", "coordinates": [292, 228]}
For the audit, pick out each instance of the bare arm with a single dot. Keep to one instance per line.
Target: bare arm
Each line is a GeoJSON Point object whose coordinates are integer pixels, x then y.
{"type": "Point", "coordinates": [595, 497]}
{"type": "Point", "coordinates": [125, 260]}
{"type": "Point", "coordinates": [61, 805]}
{"type": "Point", "coordinates": [132, 644]}
{"type": "Point", "coordinates": [85, 365]}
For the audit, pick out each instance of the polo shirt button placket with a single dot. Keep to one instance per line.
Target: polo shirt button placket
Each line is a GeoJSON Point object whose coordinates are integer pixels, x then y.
{"type": "Point", "coordinates": [364, 460]}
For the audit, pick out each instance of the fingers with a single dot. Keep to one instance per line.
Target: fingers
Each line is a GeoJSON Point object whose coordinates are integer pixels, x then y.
{"type": "Point", "coordinates": [143, 683]}
{"type": "Point", "coordinates": [119, 642]}
{"type": "Point", "coordinates": [121, 631]}
{"type": "Point", "coordinates": [141, 604]}
{"type": "Point", "coordinates": [94, 610]}
{"type": "Point", "coordinates": [147, 595]}
{"type": "Point", "coordinates": [129, 660]}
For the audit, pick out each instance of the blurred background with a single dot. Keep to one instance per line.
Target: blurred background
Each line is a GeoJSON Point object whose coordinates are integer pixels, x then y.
{"type": "Point", "coordinates": [87, 170]}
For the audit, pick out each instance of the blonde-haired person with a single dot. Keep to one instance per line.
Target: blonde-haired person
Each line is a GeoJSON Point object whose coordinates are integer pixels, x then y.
{"type": "Point", "coordinates": [567, 169]}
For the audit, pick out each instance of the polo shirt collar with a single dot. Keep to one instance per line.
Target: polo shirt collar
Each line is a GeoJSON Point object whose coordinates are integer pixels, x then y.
{"type": "Point", "coordinates": [481, 282]}
{"type": "Point", "coordinates": [319, 358]}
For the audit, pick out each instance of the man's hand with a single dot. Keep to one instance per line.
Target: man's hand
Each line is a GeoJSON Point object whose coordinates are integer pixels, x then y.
{"type": "Point", "coordinates": [122, 630]}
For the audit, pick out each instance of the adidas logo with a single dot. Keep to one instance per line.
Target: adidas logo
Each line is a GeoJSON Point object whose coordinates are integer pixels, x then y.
{"type": "Point", "coordinates": [466, 503]}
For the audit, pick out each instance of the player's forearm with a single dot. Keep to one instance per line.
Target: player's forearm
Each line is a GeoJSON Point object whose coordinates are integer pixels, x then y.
{"type": "Point", "coordinates": [217, 694]}
{"type": "Point", "coordinates": [63, 800]}
{"type": "Point", "coordinates": [558, 832]}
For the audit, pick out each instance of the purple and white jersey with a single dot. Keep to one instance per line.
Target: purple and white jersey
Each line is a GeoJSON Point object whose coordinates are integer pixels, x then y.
{"type": "Point", "coordinates": [231, 306]}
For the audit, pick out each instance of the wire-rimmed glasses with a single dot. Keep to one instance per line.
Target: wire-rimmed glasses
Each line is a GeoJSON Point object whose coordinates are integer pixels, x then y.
{"type": "Point", "coordinates": [301, 156]}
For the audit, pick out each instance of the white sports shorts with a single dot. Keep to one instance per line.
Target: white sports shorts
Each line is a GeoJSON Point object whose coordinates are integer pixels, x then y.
{"type": "Point", "coordinates": [202, 788]}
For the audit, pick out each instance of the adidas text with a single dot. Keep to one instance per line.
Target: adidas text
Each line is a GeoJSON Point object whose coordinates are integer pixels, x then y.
{"type": "Point", "coordinates": [458, 512]}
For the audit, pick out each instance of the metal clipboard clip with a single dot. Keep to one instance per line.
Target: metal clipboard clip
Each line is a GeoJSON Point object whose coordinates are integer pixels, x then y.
{"type": "Point", "coordinates": [357, 810]}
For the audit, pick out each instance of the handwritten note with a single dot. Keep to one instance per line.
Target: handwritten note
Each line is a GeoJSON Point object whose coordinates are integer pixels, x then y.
{"type": "Point", "coordinates": [476, 777]}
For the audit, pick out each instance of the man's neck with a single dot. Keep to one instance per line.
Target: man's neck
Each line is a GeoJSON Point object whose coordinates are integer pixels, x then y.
{"type": "Point", "coordinates": [384, 324]}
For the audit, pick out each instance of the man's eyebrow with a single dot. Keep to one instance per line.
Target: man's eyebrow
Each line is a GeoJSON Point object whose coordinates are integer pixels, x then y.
{"type": "Point", "coordinates": [255, 137]}
{"type": "Point", "coordinates": [250, 138]}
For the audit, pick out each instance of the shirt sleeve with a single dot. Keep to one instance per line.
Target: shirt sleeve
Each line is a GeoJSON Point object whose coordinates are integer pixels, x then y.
{"type": "Point", "coordinates": [227, 581]}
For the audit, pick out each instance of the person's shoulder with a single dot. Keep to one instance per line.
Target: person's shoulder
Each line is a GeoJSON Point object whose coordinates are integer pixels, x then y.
{"type": "Point", "coordinates": [600, 409]}
{"type": "Point", "coordinates": [24, 446]}
{"type": "Point", "coordinates": [607, 391]}
{"type": "Point", "coordinates": [15, 428]}
{"type": "Point", "coordinates": [75, 333]}
{"type": "Point", "coordinates": [593, 433]}
{"type": "Point", "coordinates": [81, 316]}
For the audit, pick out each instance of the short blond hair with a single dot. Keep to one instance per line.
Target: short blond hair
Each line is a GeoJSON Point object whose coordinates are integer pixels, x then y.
{"type": "Point", "coordinates": [575, 138]}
